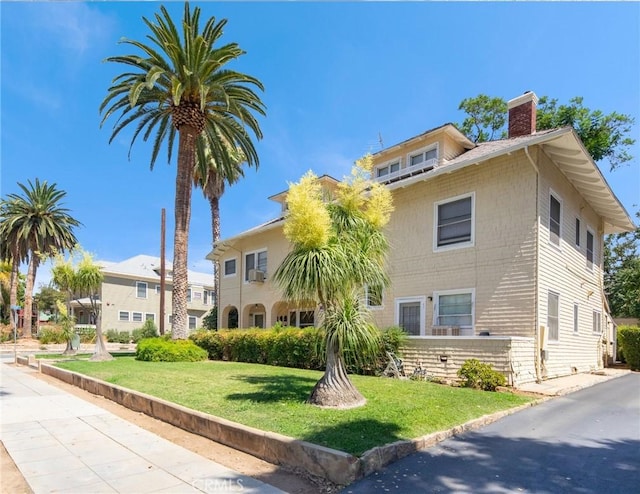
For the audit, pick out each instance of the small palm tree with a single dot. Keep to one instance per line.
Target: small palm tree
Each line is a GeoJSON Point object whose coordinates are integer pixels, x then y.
{"type": "Point", "coordinates": [212, 179]}
{"type": "Point", "coordinates": [35, 226]}
{"type": "Point", "coordinates": [338, 248]}
{"type": "Point", "coordinates": [181, 84]}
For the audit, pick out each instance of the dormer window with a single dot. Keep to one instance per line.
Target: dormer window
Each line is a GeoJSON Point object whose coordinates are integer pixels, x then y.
{"type": "Point", "coordinates": [425, 158]}
{"type": "Point", "coordinates": [388, 169]}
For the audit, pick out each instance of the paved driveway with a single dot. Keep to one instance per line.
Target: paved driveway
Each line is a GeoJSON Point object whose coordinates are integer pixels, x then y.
{"type": "Point", "coordinates": [584, 442]}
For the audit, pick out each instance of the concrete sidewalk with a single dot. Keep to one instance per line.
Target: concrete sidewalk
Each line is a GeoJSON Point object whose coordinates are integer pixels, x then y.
{"type": "Point", "coordinates": [64, 444]}
{"type": "Point", "coordinates": [563, 385]}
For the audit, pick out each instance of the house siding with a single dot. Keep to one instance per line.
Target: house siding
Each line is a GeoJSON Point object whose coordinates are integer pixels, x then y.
{"type": "Point", "coordinates": [500, 266]}
{"type": "Point", "coordinates": [443, 357]}
{"type": "Point", "coordinates": [563, 270]}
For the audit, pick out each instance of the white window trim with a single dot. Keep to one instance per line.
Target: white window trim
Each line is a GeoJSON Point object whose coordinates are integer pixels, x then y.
{"type": "Point", "coordinates": [423, 305]}
{"type": "Point", "coordinates": [388, 164]}
{"type": "Point", "coordinates": [152, 314]}
{"type": "Point", "coordinates": [366, 297]}
{"type": "Point", "coordinates": [189, 318]}
{"type": "Point", "coordinates": [235, 273]}
{"type": "Point", "coordinates": [157, 289]}
{"type": "Point", "coordinates": [549, 339]}
{"type": "Point", "coordinates": [599, 313]}
{"type": "Point", "coordinates": [189, 295]}
{"type": "Point", "coordinates": [128, 319]}
{"type": "Point", "coordinates": [436, 304]}
{"type": "Point", "coordinates": [557, 197]}
{"type": "Point", "coordinates": [459, 245]}
{"type": "Point", "coordinates": [593, 252]}
{"type": "Point", "coordinates": [245, 278]}
{"type": "Point", "coordinates": [137, 312]}
{"type": "Point", "coordinates": [146, 289]}
{"type": "Point", "coordinates": [423, 150]}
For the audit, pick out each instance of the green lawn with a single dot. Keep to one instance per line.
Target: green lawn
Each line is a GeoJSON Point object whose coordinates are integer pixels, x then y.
{"type": "Point", "coordinates": [272, 399]}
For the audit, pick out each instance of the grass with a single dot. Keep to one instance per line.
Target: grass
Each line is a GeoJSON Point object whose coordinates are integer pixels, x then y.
{"type": "Point", "coordinates": [272, 399]}
{"type": "Point", "coordinates": [78, 356]}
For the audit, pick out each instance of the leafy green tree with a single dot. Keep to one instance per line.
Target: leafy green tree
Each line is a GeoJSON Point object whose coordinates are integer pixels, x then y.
{"type": "Point", "coordinates": [486, 118]}
{"type": "Point", "coordinates": [48, 298]}
{"type": "Point", "coordinates": [36, 226]}
{"type": "Point", "coordinates": [338, 248]}
{"type": "Point", "coordinates": [622, 272]}
{"type": "Point", "coordinates": [605, 136]}
{"type": "Point", "coordinates": [181, 84]}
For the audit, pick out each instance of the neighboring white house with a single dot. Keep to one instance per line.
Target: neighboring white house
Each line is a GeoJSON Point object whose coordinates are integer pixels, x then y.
{"type": "Point", "coordinates": [130, 294]}
{"type": "Point", "coordinates": [496, 253]}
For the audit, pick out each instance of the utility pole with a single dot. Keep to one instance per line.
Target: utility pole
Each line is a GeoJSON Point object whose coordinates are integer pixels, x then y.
{"type": "Point", "coordinates": [162, 270]}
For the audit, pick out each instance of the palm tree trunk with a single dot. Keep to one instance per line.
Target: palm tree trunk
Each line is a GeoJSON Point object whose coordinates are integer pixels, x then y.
{"type": "Point", "coordinates": [335, 389]}
{"type": "Point", "coordinates": [184, 181]}
{"type": "Point", "coordinates": [214, 203]}
{"type": "Point", "coordinates": [13, 290]}
{"type": "Point", "coordinates": [28, 295]}
{"type": "Point", "coordinates": [101, 353]}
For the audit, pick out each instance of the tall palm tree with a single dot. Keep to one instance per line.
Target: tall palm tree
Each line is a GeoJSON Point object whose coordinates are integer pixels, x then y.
{"type": "Point", "coordinates": [338, 248]}
{"type": "Point", "coordinates": [180, 84]}
{"type": "Point", "coordinates": [14, 251]}
{"type": "Point", "coordinates": [212, 179]}
{"type": "Point", "coordinates": [37, 225]}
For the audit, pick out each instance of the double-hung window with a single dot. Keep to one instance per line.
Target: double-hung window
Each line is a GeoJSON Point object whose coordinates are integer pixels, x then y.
{"type": "Point", "coordinates": [597, 322]}
{"type": "Point", "coordinates": [590, 247]}
{"type": "Point", "coordinates": [123, 315]}
{"type": "Point", "coordinates": [141, 289]}
{"type": "Point", "coordinates": [188, 294]}
{"type": "Point", "coordinates": [553, 315]}
{"type": "Point", "coordinates": [454, 308]}
{"type": "Point", "coordinates": [136, 316]}
{"type": "Point", "coordinates": [555, 219]}
{"type": "Point", "coordinates": [255, 260]}
{"type": "Point", "coordinates": [193, 321]}
{"type": "Point", "coordinates": [230, 267]}
{"type": "Point", "coordinates": [454, 224]}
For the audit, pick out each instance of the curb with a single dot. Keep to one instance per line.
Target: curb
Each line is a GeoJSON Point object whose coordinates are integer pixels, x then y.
{"type": "Point", "coordinates": [336, 466]}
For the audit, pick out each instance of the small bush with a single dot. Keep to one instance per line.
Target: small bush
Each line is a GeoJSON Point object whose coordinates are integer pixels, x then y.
{"type": "Point", "coordinates": [629, 339]}
{"type": "Point", "coordinates": [87, 335]}
{"type": "Point", "coordinates": [148, 330]}
{"type": "Point", "coordinates": [478, 375]}
{"type": "Point", "coordinates": [51, 334]}
{"type": "Point", "coordinates": [115, 336]}
{"type": "Point", "coordinates": [163, 350]}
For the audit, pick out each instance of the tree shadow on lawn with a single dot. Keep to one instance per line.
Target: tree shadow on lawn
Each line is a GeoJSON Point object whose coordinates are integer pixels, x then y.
{"type": "Point", "coordinates": [276, 388]}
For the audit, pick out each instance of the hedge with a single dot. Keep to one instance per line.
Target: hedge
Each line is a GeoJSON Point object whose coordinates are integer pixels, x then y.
{"type": "Point", "coordinates": [286, 347]}
{"type": "Point", "coordinates": [629, 339]}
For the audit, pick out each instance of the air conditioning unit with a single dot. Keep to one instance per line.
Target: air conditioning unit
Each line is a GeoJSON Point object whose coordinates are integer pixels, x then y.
{"type": "Point", "coordinates": [256, 276]}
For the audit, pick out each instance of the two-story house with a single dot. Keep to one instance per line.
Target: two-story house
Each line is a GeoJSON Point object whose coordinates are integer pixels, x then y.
{"type": "Point", "coordinates": [130, 294]}
{"type": "Point", "coordinates": [496, 253]}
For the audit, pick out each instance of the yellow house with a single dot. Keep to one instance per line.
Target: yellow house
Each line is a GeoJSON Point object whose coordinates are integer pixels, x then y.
{"type": "Point", "coordinates": [496, 253]}
{"type": "Point", "coordinates": [130, 294]}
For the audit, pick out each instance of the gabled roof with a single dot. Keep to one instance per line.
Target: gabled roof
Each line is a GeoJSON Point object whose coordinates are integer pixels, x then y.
{"type": "Point", "coordinates": [143, 267]}
{"type": "Point", "coordinates": [222, 246]}
{"type": "Point", "coordinates": [565, 149]}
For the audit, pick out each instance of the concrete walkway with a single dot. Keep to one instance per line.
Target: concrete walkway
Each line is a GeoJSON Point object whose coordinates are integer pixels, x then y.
{"type": "Point", "coordinates": [563, 385]}
{"type": "Point", "coordinates": [64, 444]}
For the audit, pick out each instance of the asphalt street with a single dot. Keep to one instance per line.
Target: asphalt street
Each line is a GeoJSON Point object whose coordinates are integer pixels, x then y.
{"type": "Point", "coordinates": [585, 442]}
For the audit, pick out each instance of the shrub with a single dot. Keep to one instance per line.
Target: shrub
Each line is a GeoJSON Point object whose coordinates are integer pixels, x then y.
{"type": "Point", "coordinates": [148, 330]}
{"type": "Point", "coordinates": [629, 339]}
{"type": "Point", "coordinates": [87, 335]}
{"type": "Point", "coordinates": [476, 374]}
{"type": "Point", "coordinates": [51, 334]}
{"type": "Point", "coordinates": [163, 350]}
{"type": "Point", "coordinates": [115, 336]}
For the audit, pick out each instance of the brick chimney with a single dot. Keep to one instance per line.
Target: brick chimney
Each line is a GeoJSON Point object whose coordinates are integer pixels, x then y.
{"type": "Point", "coordinates": [522, 114]}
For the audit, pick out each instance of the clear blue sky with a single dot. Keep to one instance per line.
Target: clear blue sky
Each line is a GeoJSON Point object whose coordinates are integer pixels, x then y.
{"type": "Point", "coordinates": [337, 76]}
